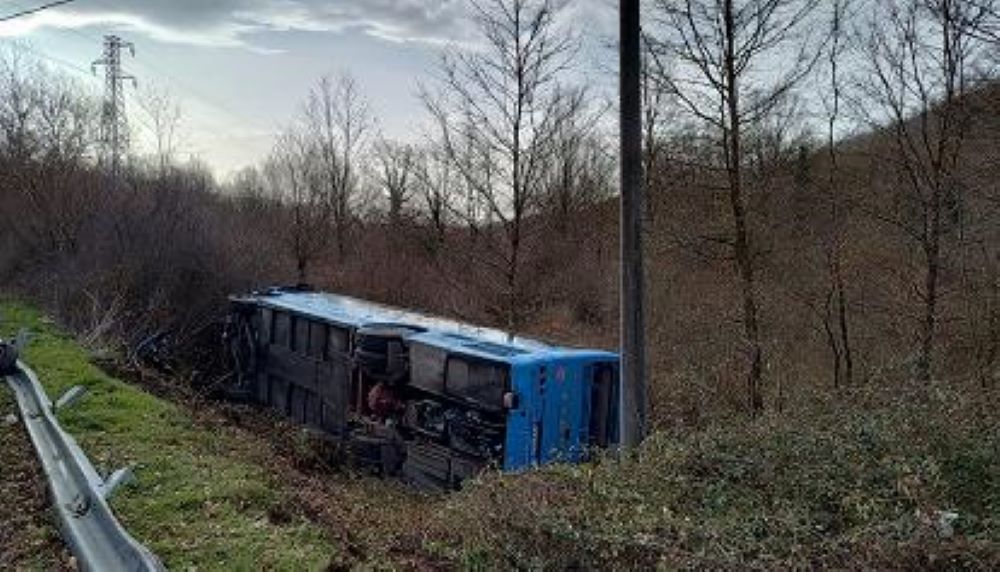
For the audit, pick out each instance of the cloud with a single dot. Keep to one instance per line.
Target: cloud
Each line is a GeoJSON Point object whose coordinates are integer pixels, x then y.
{"type": "Point", "coordinates": [231, 23]}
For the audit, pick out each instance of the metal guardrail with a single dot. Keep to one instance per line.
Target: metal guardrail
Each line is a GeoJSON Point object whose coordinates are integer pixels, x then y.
{"type": "Point", "coordinates": [94, 535]}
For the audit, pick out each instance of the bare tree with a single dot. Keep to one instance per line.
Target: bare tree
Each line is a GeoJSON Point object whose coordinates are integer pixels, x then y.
{"type": "Point", "coordinates": [294, 175]}
{"type": "Point", "coordinates": [338, 120]}
{"type": "Point", "coordinates": [576, 160]}
{"type": "Point", "coordinates": [395, 167]}
{"type": "Point", "coordinates": [658, 110]}
{"type": "Point", "coordinates": [921, 55]}
{"type": "Point", "coordinates": [435, 185]}
{"type": "Point", "coordinates": [165, 114]}
{"type": "Point", "coordinates": [47, 127]}
{"type": "Point", "coordinates": [19, 105]}
{"type": "Point", "coordinates": [836, 319]}
{"type": "Point", "coordinates": [499, 112]}
{"type": "Point", "coordinates": [720, 52]}
{"type": "Point", "coordinates": [248, 183]}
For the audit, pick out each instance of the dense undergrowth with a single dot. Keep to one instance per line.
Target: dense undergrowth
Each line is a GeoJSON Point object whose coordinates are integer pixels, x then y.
{"type": "Point", "coordinates": [861, 478]}
{"type": "Point", "coordinates": [854, 483]}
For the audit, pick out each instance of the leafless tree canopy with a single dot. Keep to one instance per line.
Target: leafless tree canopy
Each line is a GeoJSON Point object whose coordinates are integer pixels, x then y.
{"type": "Point", "coordinates": [723, 72]}
{"type": "Point", "coordinates": [396, 163]}
{"type": "Point", "coordinates": [500, 112]}
{"type": "Point", "coordinates": [923, 59]}
{"type": "Point", "coordinates": [165, 116]}
{"type": "Point", "coordinates": [824, 204]}
{"type": "Point", "coordinates": [337, 122]}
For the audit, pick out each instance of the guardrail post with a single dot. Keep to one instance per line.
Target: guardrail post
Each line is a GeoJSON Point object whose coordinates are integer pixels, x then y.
{"type": "Point", "coordinates": [71, 396]}
{"type": "Point", "coordinates": [122, 476]}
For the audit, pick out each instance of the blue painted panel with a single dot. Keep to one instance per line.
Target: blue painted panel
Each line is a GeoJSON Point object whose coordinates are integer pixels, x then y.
{"type": "Point", "coordinates": [552, 422]}
{"type": "Point", "coordinates": [563, 433]}
{"type": "Point", "coordinates": [519, 446]}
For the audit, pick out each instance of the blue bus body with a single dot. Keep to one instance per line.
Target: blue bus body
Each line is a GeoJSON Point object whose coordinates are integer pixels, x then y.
{"type": "Point", "coordinates": [440, 399]}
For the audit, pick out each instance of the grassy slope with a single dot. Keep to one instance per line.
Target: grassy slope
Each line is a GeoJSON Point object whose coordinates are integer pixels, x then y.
{"type": "Point", "coordinates": [854, 480]}
{"type": "Point", "coordinates": [197, 501]}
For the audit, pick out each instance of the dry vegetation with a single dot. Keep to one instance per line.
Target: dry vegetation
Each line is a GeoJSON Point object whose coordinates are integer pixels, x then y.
{"type": "Point", "coordinates": [824, 271]}
{"type": "Point", "coordinates": [28, 539]}
{"type": "Point", "coordinates": [862, 479]}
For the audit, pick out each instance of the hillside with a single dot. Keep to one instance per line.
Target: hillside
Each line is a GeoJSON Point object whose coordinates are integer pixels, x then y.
{"type": "Point", "coordinates": [853, 481]}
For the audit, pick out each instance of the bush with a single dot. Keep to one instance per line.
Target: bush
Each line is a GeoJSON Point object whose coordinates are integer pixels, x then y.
{"type": "Point", "coordinates": [846, 485]}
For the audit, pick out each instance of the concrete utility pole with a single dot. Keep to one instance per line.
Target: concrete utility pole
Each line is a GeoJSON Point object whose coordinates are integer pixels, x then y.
{"type": "Point", "coordinates": [633, 335]}
{"type": "Point", "coordinates": [114, 123]}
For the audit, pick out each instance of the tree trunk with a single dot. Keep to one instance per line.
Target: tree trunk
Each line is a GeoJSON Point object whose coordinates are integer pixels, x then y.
{"type": "Point", "coordinates": [513, 299]}
{"type": "Point", "coordinates": [301, 265]}
{"type": "Point", "coordinates": [932, 252]}
{"type": "Point", "coordinates": [845, 335]}
{"type": "Point", "coordinates": [831, 336]}
{"type": "Point", "coordinates": [743, 254]}
{"type": "Point", "coordinates": [341, 241]}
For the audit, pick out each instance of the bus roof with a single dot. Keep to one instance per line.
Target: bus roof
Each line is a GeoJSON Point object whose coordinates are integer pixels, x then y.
{"type": "Point", "coordinates": [349, 311]}
{"type": "Point", "coordinates": [448, 334]}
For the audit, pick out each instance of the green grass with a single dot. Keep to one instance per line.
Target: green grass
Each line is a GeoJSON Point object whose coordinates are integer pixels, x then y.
{"type": "Point", "coordinates": [196, 502]}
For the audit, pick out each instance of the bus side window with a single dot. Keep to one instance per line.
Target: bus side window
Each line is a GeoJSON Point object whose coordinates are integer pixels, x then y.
{"type": "Point", "coordinates": [281, 332]}
{"type": "Point", "coordinates": [338, 343]}
{"type": "Point", "coordinates": [484, 383]}
{"type": "Point", "coordinates": [300, 335]}
{"type": "Point", "coordinates": [317, 340]}
{"type": "Point", "coordinates": [602, 401]}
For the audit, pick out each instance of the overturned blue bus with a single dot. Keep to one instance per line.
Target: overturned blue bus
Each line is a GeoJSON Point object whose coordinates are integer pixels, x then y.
{"type": "Point", "coordinates": [430, 399]}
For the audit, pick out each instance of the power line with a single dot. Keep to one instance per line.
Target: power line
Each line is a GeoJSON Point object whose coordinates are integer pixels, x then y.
{"type": "Point", "coordinates": [34, 10]}
{"type": "Point", "coordinates": [196, 94]}
{"type": "Point", "coordinates": [143, 123]}
{"type": "Point", "coordinates": [65, 63]}
{"type": "Point", "coordinates": [156, 70]}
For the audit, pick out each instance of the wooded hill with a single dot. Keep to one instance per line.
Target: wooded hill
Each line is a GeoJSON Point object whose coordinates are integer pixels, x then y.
{"type": "Point", "coordinates": [835, 227]}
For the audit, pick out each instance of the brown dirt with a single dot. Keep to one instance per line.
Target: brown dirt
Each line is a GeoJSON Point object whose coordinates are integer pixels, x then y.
{"type": "Point", "coordinates": [29, 540]}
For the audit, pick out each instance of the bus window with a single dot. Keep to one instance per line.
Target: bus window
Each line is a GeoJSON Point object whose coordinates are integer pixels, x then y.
{"type": "Point", "coordinates": [317, 340]}
{"type": "Point", "coordinates": [300, 335]}
{"type": "Point", "coordinates": [479, 381]}
{"type": "Point", "coordinates": [281, 334]}
{"type": "Point", "coordinates": [604, 404]}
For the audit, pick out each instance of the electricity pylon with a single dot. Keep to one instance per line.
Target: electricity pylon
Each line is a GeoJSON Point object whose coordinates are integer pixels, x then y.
{"type": "Point", "coordinates": [114, 122]}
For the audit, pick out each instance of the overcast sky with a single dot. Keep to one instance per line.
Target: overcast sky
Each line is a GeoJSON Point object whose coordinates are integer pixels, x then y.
{"type": "Point", "coordinates": [240, 68]}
